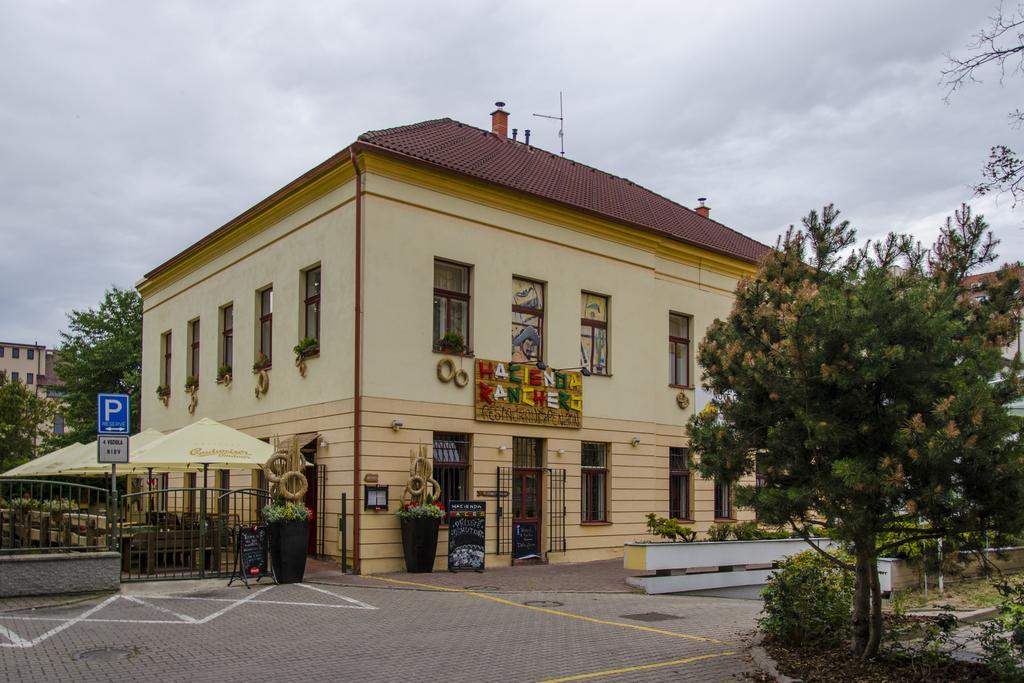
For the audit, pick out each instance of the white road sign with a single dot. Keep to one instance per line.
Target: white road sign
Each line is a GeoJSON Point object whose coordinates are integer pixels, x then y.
{"type": "Point", "coordinates": [112, 448]}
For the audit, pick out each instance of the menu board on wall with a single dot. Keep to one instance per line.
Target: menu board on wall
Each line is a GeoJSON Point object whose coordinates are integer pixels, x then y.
{"type": "Point", "coordinates": [525, 394]}
{"type": "Point", "coordinates": [467, 526]}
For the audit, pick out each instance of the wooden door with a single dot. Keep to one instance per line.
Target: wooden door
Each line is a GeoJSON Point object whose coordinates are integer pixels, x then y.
{"type": "Point", "coordinates": [526, 512]}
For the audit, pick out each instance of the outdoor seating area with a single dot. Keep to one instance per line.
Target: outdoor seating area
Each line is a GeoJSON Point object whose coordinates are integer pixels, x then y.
{"type": "Point", "coordinates": [27, 528]}
{"type": "Point", "coordinates": [160, 532]}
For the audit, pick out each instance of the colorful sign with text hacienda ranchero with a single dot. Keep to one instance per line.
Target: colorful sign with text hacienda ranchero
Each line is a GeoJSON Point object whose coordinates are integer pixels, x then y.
{"type": "Point", "coordinates": [524, 394]}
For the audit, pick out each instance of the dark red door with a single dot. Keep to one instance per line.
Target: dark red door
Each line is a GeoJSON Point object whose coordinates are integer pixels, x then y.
{"type": "Point", "coordinates": [526, 512]}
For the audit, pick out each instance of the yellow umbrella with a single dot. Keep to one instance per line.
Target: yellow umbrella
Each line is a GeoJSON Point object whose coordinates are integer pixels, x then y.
{"type": "Point", "coordinates": [83, 462]}
{"type": "Point", "coordinates": [202, 445]}
{"type": "Point", "coordinates": [45, 465]}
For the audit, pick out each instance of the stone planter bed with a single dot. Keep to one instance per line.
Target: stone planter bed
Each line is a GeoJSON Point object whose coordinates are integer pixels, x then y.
{"type": "Point", "coordinates": [703, 565]}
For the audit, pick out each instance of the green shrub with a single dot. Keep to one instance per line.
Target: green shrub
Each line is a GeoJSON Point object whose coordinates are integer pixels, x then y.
{"type": "Point", "coordinates": [1002, 639]}
{"type": "Point", "coordinates": [720, 531]}
{"type": "Point", "coordinates": [807, 600]}
{"type": "Point", "coordinates": [669, 528]}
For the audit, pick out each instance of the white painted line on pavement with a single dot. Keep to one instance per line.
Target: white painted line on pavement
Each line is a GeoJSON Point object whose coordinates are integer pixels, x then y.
{"type": "Point", "coordinates": [233, 605]}
{"type": "Point", "coordinates": [181, 619]}
{"type": "Point", "coordinates": [16, 640]}
{"type": "Point", "coordinates": [20, 642]}
{"type": "Point", "coordinates": [362, 605]}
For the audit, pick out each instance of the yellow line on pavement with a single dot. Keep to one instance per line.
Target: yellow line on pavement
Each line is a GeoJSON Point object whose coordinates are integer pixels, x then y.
{"type": "Point", "coordinates": [570, 615]}
{"type": "Point", "coordinates": [642, 667]}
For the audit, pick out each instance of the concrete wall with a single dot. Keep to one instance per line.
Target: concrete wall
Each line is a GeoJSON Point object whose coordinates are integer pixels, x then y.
{"type": "Point", "coordinates": [906, 575]}
{"type": "Point", "coordinates": [59, 573]}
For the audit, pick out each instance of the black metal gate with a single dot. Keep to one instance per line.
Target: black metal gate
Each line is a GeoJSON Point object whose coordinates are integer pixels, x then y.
{"type": "Point", "coordinates": [556, 510]}
{"type": "Point", "coordinates": [321, 511]}
{"type": "Point", "coordinates": [553, 508]}
{"type": "Point", "coordinates": [184, 533]}
{"type": "Point", "coordinates": [503, 534]}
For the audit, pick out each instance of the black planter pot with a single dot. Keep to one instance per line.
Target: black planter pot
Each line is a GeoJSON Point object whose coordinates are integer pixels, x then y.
{"type": "Point", "coordinates": [419, 542]}
{"type": "Point", "coordinates": [288, 543]}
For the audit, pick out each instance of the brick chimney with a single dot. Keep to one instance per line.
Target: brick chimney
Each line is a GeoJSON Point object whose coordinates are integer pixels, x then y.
{"type": "Point", "coordinates": [499, 121]}
{"type": "Point", "coordinates": [703, 210]}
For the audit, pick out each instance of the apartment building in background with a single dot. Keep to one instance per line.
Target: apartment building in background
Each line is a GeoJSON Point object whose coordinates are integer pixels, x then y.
{"type": "Point", "coordinates": [33, 366]}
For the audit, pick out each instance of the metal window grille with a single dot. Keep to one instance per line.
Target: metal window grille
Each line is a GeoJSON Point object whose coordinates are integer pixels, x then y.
{"type": "Point", "coordinates": [594, 475]}
{"type": "Point", "coordinates": [527, 452]}
{"type": "Point", "coordinates": [679, 483]}
{"type": "Point", "coordinates": [451, 465]}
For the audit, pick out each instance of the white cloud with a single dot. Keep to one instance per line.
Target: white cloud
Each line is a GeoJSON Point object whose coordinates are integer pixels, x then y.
{"type": "Point", "coordinates": [130, 131]}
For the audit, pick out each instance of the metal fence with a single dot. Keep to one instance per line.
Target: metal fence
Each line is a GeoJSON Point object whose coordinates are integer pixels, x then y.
{"type": "Point", "coordinates": [556, 510]}
{"type": "Point", "coordinates": [184, 533]}
{"type": "Point", "coordinates": [37, 515]}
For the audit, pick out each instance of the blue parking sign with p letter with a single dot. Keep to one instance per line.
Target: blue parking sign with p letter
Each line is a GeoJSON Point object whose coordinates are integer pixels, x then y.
{"type": "Point", "coordinates": [112, 413]}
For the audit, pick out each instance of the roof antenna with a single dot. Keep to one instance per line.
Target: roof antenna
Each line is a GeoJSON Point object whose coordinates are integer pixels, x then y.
{"type": "Point", "coordinates": [561, 122]}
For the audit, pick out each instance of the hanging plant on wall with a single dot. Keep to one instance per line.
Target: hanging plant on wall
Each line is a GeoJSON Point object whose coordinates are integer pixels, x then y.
{"type": "Point", "coordinates": [163, 392]}
{"type": "Point", "coordinates": [192, 389]}
{"type": "Point", "coordinates": [259, 368]}
{"type": "Point", "coordinates": [224, 375]}
{"type": "Point", "coordinates": [306, 348]}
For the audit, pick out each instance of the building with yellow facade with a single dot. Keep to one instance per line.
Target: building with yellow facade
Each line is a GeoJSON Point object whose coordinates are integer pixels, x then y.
{"type": "Point", "coordinates": [530, 320]}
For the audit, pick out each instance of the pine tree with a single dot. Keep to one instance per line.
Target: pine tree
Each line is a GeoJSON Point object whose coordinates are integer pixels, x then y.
{"type": "Point", "coordinates": [869, 395]}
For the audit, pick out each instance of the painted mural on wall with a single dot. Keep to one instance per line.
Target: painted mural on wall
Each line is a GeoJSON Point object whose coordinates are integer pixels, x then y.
{"type": "Point", "coordinates": [527, 320]}
{"type": "Point", "coordinates": [524, 394]}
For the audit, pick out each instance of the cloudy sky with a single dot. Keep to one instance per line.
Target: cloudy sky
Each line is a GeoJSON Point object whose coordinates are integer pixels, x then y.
{"type": "Point", "coordinates": [130, 130]}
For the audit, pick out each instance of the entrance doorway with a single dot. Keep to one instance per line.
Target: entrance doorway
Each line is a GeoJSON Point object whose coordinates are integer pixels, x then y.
{"type": "Point", "coordinates": [527, 501]}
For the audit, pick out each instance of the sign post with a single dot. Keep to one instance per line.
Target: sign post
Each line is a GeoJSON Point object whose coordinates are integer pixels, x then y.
{"type": "Point", "coordinates": [113, 425]}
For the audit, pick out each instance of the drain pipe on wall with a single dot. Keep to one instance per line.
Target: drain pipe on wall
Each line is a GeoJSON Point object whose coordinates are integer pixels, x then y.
{"type": "Point", "coordinates": [357, 376]}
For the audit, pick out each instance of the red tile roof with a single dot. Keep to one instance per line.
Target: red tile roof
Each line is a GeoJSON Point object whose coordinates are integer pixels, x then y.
{"type": "Point", "coordinates": [482, 155]}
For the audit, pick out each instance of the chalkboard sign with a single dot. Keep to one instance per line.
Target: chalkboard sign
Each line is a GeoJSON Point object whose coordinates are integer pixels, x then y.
{"type": "Point", "coordinates": [467, 524]}
{"type": "Point", "coordinates": [524, 535]}
{"type": "Point", "coordinates": [250, 554]}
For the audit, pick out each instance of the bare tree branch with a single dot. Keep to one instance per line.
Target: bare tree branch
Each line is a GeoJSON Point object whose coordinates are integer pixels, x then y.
{"type": "Point", "coordinates": [1000, 44]}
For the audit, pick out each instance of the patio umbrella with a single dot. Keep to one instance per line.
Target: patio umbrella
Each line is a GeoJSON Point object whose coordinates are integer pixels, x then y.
{"type": "Point", "coordinates": [201, 445]}
{"type": "Point", "coordinates": [82, 463]}
{"type": "Point", "coordinates": [45, 465]}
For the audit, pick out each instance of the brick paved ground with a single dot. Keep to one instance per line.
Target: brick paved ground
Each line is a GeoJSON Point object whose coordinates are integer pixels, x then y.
{"type": "Point", "coordinates": [318, 632]}
{"type": "Point", "coordinates": [603, 576]}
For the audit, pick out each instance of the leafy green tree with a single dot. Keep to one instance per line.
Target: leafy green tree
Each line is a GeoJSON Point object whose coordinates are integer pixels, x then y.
{"type": "Point", "coordinates": [871, 393]}
{"type": "Point", "coordinates": [100, 352]}
{"type": "Point", "coordinates": [24, 419]}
